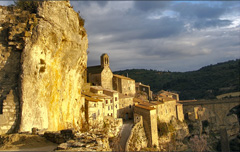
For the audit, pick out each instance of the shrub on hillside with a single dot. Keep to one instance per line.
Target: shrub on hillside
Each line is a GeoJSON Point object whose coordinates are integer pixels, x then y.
{"type": "Point", "coordinates": [27, 5]}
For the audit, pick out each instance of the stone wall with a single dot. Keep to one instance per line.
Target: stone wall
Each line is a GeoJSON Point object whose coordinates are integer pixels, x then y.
{"type": "Point", "coordinates": [179, 111]}
{"type": "Point", "coordinates": [166, 111]}
{"type": "Point", "coordinates": [214, 113]}
{"type": "Point", "coordinates": [149, 123]}
{"type": "Point", "coordinates": [14, 26]}
{"type": "Point", "coordinates": [144, 88]}
{"type": "Point", "coordinates": [9, 121]}
{"type": "Point", "coordinates": [125, 108]}
{"type": "Point", "coordinates": [124, 85]}
{"type": "Point", "coordinates": [106, 78]}
{"type": "Point", "coordinates": [43, 57]}
{"type": "Point", "coordinates": [95, 79]}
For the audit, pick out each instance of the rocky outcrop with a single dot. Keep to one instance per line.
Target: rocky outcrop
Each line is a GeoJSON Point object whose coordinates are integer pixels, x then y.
{"type": "Point", "coordinates": [44, 59]}
{"type": "Point", "coordinates": [54, 59]}
{"type": "Point", "coordinates": [173, 139]}
{"type": "Point", "coordinates": [137, 139]}
{"type": "Point", "coordinates": [86, 142]}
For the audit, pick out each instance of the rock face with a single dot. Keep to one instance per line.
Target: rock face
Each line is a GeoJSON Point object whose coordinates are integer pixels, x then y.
{"type": "Point", "coordinates": [53, 58]}
{"type": "Point", "coordinates": [173, 140]}
{"type": "Point", "coordinates": [13, 24]}
{"type": "Point", "coordinates": [137, 139]}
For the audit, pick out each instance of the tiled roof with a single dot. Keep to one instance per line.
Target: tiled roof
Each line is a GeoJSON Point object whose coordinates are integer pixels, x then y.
{"type": "Point", "coordinates": [122, 77]}
{"type": "Point", "coordinates": [94, 95]}
{"type": "Point", "coordinates": [156, 102]}
{"type": "Point", "coordinates": [99, 88]}
{"type": "Point", "coordinates": [146, 104]}
{"type": "Point", "coordinates": [144, 107]}
{"type": "Point", "coordinates": [92, 99]}
{"type": "Point", "coordinates": [137, 100]}
{"type": "Point", "coordinates": [166, 99]}
{"type": "Point", "coordinates": [162, 92]}
{"type": "Point", "coordinates": [140, 84]}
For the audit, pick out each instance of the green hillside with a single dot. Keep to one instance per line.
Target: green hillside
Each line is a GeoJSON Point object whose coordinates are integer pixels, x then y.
{"type": "Point", "coordinates": [205, 83]}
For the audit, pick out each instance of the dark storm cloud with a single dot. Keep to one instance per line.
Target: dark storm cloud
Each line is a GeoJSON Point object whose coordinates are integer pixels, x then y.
{"type": "Point", "coordinates": [149, 6]}
{"type": "Point", "coordinates": [89, 2]}
{"type": "Point", "coordinates": [150, 29]}
{"type": "Point", "coordinates": [199, 10]}
{"type": "Point", "coordinates": [176, 36]}
{"type": "Point", "coordinates": [200, 24]}
{"type": "Point", "coordinates": [162, 28]}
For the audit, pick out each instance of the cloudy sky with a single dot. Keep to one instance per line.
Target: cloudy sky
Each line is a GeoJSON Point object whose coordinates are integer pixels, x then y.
{"type": "Point", "coordinates": [161, 35]}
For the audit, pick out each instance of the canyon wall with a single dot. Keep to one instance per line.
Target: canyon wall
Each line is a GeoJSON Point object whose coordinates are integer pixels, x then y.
{"type": "Point", "coordinates": [50, 61]}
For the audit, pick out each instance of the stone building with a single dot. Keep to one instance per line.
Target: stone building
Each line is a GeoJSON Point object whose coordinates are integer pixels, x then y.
{"type": "Point", "coordinates": [109, 98]}
{"type": "Point", "coordinates": [180, 114]}
{"type": "Point", "coordinates": [124, 85]}
{"type": "Point", "coordinates": [101, 75]}
{"type": "Point", "coordinates": [164, 110]}
{"type": "Point", "coordinates": [125, 107]}
{"type": "Point", "coordinates": [144, 88]}
{"type": "Point", "coordinates": [114, 102]}
{"type": "Point", "coordinates": [93, 110]}
{"type": "Point", "coordinates": [163, 94]}
{"type": "Point", "coordinates": [167, 106]}
{"type": "Point", "coordinates": [149, 122]}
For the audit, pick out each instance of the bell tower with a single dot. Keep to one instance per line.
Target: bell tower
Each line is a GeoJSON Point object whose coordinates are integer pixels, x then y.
{"type": "Point", "coordinates": [104, 60]}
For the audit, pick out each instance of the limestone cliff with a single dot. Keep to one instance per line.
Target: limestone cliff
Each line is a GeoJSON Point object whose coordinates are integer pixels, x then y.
{"type": "Point", "coordinates": [53, 57]}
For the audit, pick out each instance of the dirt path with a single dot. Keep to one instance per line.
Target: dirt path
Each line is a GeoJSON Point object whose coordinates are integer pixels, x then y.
{"type": "Point", "coordinates": [125, 133]}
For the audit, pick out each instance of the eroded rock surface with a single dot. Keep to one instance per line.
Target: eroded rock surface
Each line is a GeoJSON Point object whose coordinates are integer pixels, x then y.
{"type": "Point", "coordinates": [43, 57]}
{"type": "Point", "coordinates": [54, 59]}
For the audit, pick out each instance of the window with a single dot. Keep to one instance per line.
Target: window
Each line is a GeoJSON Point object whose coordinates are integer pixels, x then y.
{"type": "Point", "coordinates": [98, 112]}
{"type": "Point", "coordinates": [116, 106]}
{"type": "Point", "coordinates": [103, 105]}
{"type": "Point", "coordinates": [95, 105]}
{"type": "Point", "coordinates": [106, 102]}
{"type": "Point", "coordinates": [130, 106]}
{"type": "Point", "coordinates": [143, 89]}
{"type": "Point", "coordinates": [108, 107]}
{"type": "Point", "coordinates": [94, 116]}
{"type": "Point", "coordinates": [116, 98]}
{"type": "Point", "coordinates": [111, 107]}
{"type": "Point", "coordinates": [111, 101]}
{"type": "Point", "coordinates": [129, 88]}
{"type": "Point", "coordinates": [111, 114]}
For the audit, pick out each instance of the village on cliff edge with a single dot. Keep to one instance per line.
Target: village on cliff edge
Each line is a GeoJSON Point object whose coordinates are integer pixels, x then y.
{"type": "Point", "coordinates": [111, 95]}
{"type": "Point", "coordinates": [54, 92]}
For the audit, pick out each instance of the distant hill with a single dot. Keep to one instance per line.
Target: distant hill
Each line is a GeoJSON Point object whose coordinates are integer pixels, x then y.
{"type": "Point", "coordinates": [205, 83]}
